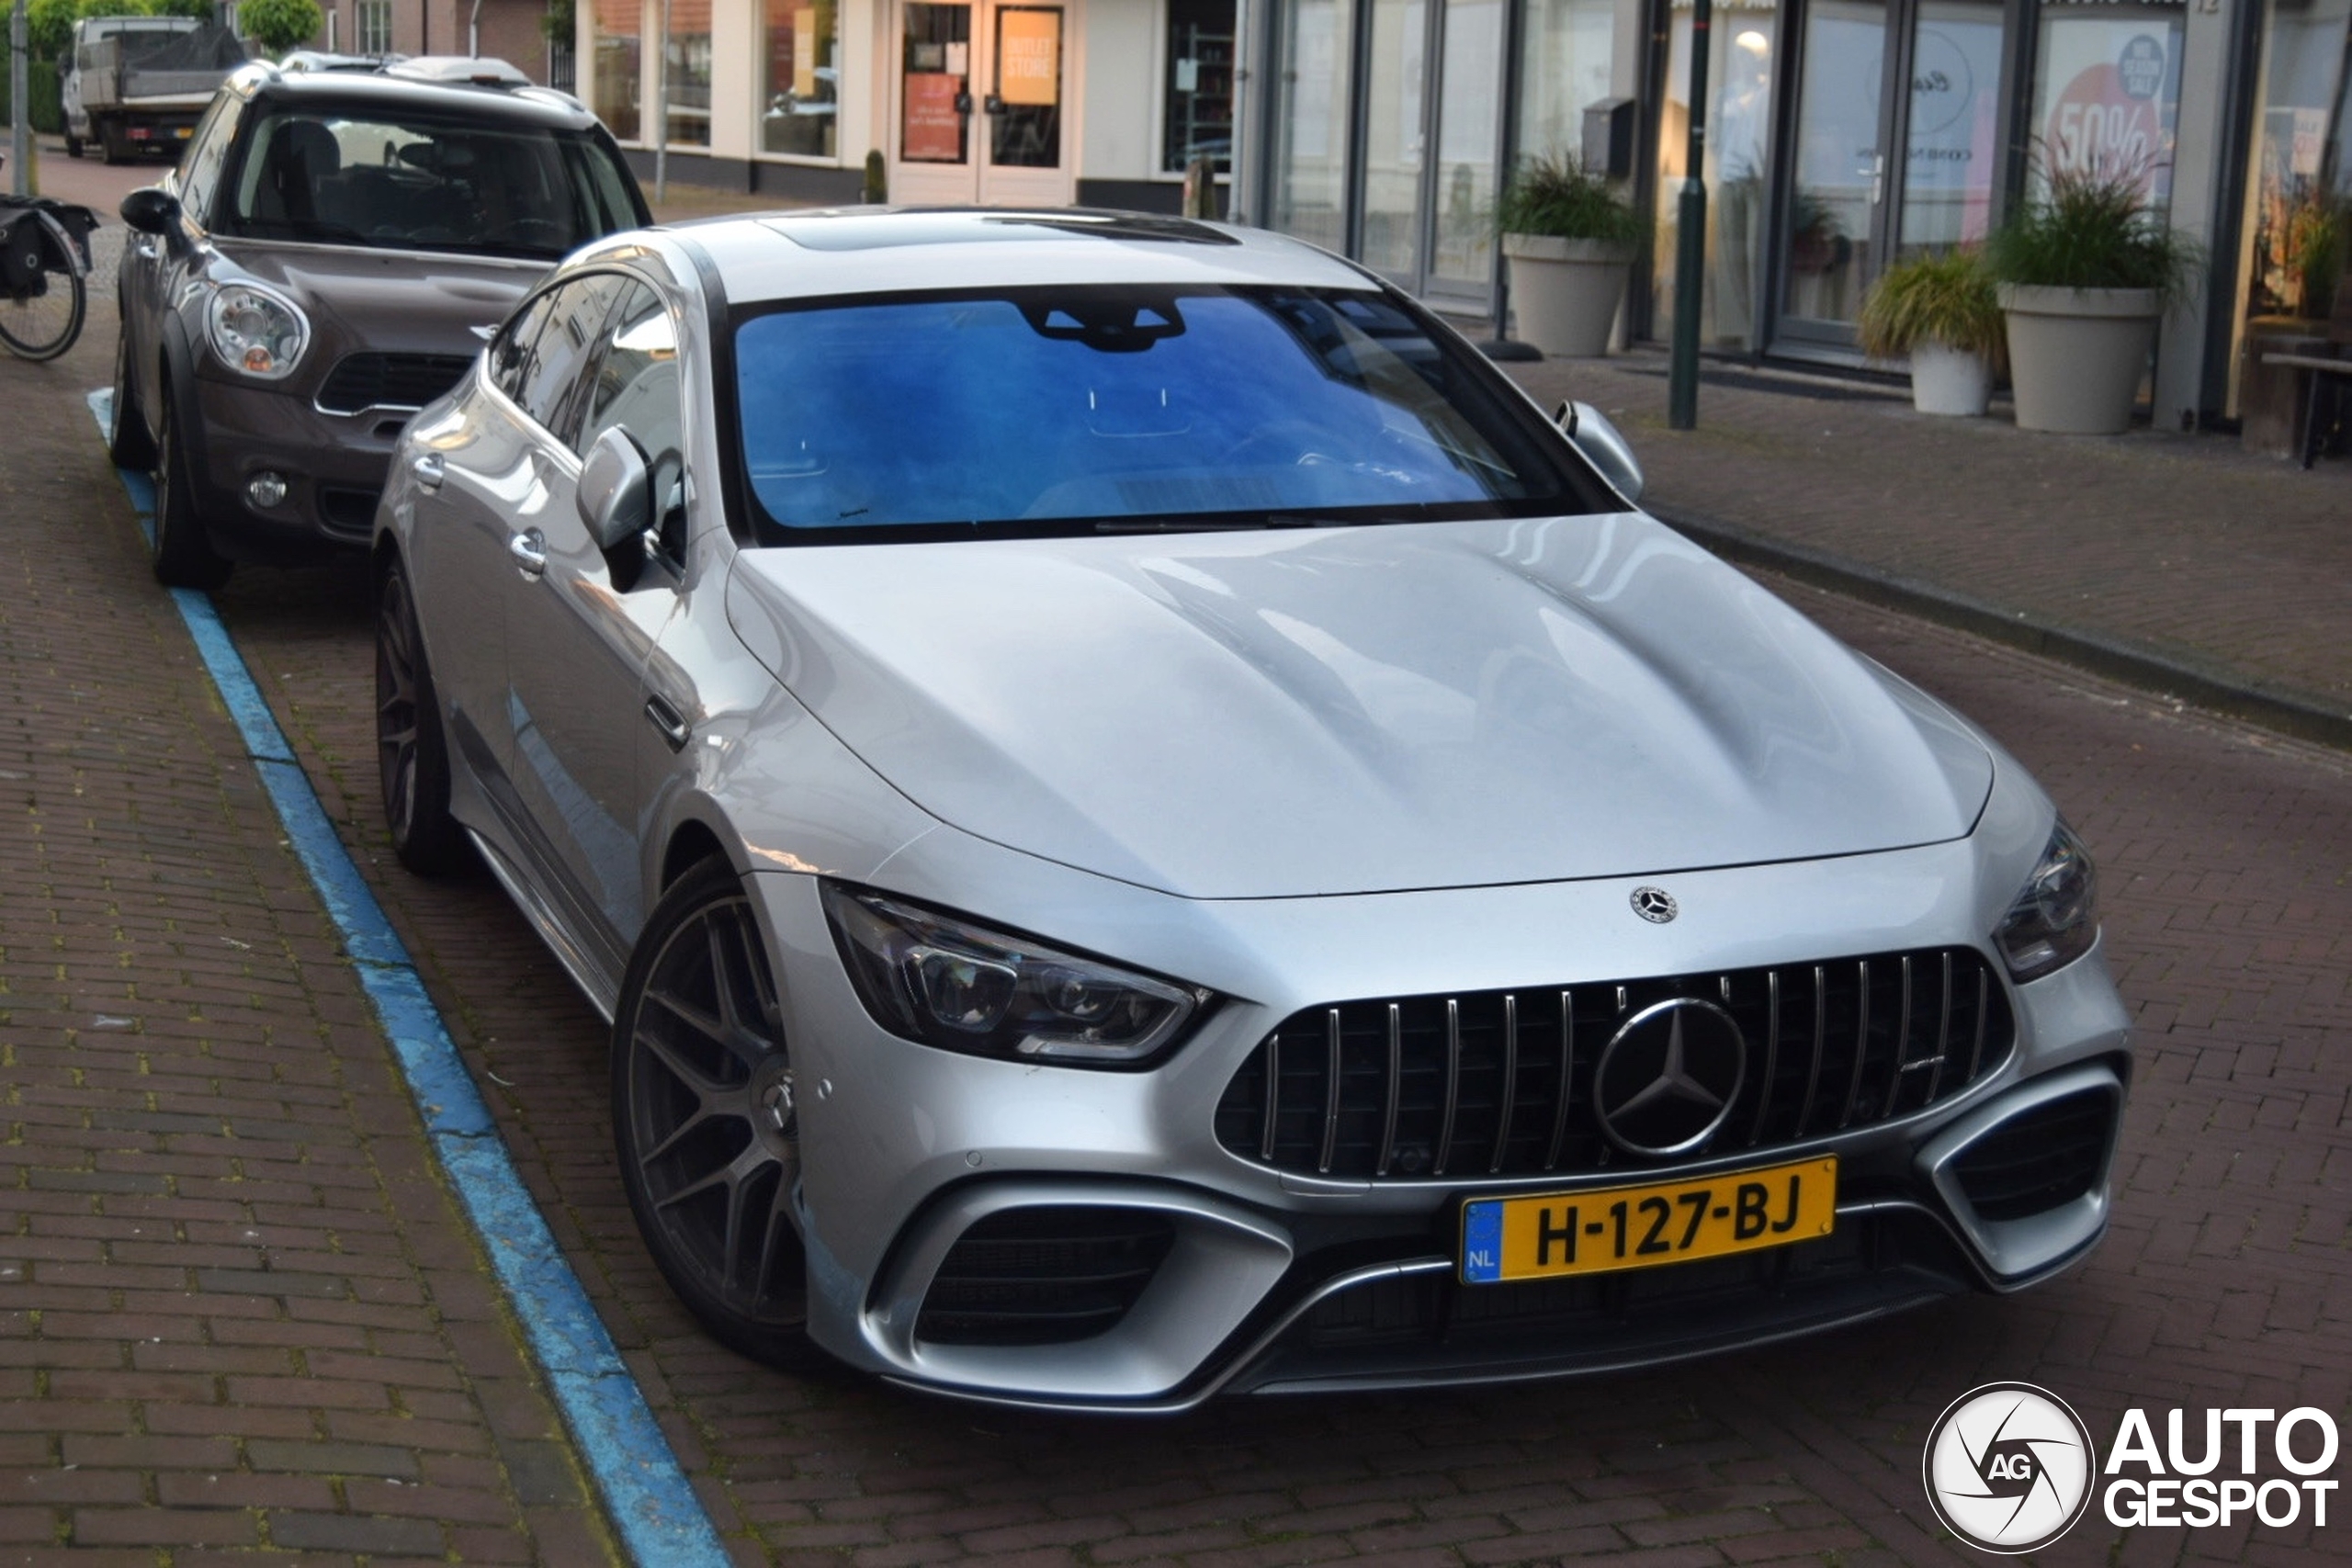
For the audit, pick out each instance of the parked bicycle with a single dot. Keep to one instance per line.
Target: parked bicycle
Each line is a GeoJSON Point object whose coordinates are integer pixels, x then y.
{"type": "Point", "coordinates": [44, 257]}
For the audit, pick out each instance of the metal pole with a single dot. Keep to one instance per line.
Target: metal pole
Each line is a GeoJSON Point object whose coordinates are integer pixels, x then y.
{"type": "Point", "coordinates": [662, 111]}
{"type": "Point", "coordinates": [20, 108]}
{"type": "Point", "coordinates": [1691, 238]}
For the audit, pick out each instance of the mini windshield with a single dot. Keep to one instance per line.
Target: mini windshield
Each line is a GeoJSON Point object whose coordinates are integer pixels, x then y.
{"type": "Point", "coordinates": [401, 183]}
{"type": "Point", "coordinates": [1119, 407]}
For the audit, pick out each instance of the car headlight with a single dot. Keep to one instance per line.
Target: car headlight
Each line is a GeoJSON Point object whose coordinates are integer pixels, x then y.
{"type": "Point", "coordinates": [256, 332]}
{"type": "Point", "coordinates": [2055, 917]}
{"type": "Point", "coordinates": [942, 980]}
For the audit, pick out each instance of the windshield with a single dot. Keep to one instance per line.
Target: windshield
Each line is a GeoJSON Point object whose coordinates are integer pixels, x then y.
{"type": "Point", "coordinates": [1117, 408]}
{"type": "Point", "coordinates": [352, 178]}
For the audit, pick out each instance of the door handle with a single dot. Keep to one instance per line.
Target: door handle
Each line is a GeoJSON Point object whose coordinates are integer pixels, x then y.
{"type": "Point", "coordinates": [428, 470]}
{"type": "Point", "coordinates": [675, 729]}
{"type": "Point", "coordinates": [992, 104]}
{"type": "Point", "coordinates": [530, 551]}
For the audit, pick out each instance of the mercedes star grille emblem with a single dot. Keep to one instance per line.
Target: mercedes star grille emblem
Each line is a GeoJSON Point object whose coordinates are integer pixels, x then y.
{"type": "Point", "coordinates": [1655, 904]}
{"type": "Point", "coordinates": [1668, 1077]}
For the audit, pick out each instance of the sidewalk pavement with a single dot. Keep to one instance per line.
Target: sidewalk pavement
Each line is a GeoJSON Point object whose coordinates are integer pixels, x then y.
{"type": "Point", "coordinates": [2180, 564]}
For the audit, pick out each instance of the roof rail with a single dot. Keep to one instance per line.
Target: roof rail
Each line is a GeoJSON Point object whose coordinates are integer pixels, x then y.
{"type": "Point", "coordinates": [459, 70]}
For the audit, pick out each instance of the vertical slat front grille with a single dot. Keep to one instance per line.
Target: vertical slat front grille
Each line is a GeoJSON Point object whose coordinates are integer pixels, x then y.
{"type": "Point", "coordinates": [1501, 1083]}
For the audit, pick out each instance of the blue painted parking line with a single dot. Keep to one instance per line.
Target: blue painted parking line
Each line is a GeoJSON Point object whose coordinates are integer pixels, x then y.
{"type": "Point", "coordinates": [660, 1519]}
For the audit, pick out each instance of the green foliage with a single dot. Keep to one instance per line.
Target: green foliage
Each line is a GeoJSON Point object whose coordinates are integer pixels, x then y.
{"type": "Point", "coordinates": [2318, 235]}
{"type": "Point", "coordinates": [46, 109]}
{"type": "Point", "coordinates": [561, 24]}
{"type": "Point", "coordinates": [50, 23]}
{"type": "Point", "coordinates": [1944, 299]}
{"type": "Point", "coordinates": [1556, 196]}
{"type": "Point", "coordinates": [2093, 232]}
{"type": "Point", "coordinates": [280, 24]}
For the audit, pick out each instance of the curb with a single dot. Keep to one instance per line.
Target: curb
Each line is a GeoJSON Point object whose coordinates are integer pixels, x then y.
{"type": "Point", "coordinates": [2208, 684]}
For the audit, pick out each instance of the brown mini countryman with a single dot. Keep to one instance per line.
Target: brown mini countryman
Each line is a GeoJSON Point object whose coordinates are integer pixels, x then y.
{"type": "Point", "coordinates": [326, 260]}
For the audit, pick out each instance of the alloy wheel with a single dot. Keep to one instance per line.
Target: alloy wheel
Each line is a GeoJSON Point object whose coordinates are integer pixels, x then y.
{"type": "Point", "coordinates": [396, 709]}
{"type": "Point", "coordinates": [709, 1098]}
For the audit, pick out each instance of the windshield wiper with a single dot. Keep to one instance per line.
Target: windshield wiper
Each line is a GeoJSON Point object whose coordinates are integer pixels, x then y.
{"type": "Point", "coordinates": [1222, 525]}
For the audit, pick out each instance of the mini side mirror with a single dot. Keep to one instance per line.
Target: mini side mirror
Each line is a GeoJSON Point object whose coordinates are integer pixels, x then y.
{"type": "Point", "coordinates": [1603, 446]}
{"type": "Point", "coordinates": [151, 209]}
{"type": "Point", "coordinates": [615, 492]}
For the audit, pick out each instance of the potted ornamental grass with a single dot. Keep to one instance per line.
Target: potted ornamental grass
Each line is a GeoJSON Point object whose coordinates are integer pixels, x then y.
{"type": "Point", "coordinates": [2084, 273]}
{"type": "Point", "coordinates": [1942, 313]}
{"type": "Point", "coordinates": [1571, 240]}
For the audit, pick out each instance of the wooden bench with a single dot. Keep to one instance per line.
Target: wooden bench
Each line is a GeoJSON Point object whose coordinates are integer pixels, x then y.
{"type": "Point", "coordinates": [2329, 373]}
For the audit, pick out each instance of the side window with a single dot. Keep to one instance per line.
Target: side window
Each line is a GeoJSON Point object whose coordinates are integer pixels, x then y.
{"type": "Point", "coordinates": [511, 350]}
{"type": "Point", "coordinates": [636, 389]}
{"type": "Point", "coordinates": [207, 151]}
{"type": "Point", "coordinates": [575, 320]}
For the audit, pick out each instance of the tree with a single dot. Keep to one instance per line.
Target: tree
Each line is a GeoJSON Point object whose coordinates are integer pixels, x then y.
{"type": "Point", "coordinates": [279, 25]}
{"type": "Point", "coordinates": [50, 23]}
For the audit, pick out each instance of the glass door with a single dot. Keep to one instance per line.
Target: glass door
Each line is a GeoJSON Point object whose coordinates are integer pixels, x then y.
{"type": "Point", "coordinates": [1838, 162]}
{"type": "Point", "coordinates": [981, 90]}
{"type": "Point", "coordinates": [1435, 78]}
{"type": "Point", "coordinates": [1895, 152]}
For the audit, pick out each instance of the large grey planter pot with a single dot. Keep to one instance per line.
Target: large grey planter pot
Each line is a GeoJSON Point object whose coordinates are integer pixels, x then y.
{"type": "Point", "coordinates": [2077, 356]}
{"type": "Point", "coordinates": [1564, 293]}
{"type": "Point", "coordinates": [1949, 381]}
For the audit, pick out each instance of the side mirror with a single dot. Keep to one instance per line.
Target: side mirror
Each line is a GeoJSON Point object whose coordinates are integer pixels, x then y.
{"type": "Point", "coordinates": [614, 493]}
{"type": "Point", "coordinates": [1603, 446]}
{"type": "Point", "coordinates": [151, 209]}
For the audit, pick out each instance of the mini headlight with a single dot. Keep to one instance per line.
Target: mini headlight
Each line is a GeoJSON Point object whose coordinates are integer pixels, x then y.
{"type": "Point", "coordinates": [2055, 917]}
{"type": "Point", "coordinates": [256, 332]}
{"type": "Point", "coordinates": [942, 980]}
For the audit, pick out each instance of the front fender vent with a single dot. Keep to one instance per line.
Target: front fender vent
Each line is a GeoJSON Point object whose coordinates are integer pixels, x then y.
{"type": "Point", "coordinates": [1499, 1083]}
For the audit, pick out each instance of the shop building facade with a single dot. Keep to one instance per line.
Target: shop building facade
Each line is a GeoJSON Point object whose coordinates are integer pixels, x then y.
{"type": "Point", "coordinates": [1842, 135]}
{"type": "Point", "coordinates": [1006, 102]}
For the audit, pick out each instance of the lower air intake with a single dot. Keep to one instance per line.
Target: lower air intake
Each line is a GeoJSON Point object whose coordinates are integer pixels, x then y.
{"type": "Point", "coordinates": [2051, 1155]}
{"type": "Point", "coordinates": [1044, 1276]}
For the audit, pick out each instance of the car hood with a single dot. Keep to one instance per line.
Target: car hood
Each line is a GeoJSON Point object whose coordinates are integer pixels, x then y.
{"type": "Point", "coordinates": [390, 301]}
{"type": "Point", "coordinates": [1276, 713]}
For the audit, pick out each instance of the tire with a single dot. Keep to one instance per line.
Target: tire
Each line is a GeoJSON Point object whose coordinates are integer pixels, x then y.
{"type": "Point", "coordinates": [112, 147]}
{"type": "Point", "coordinates": [72, 145]}
{"type": "Point", "coordinates": [703, 1118]}
{"type": "Point", "coordinates": [181, 554]}
{"type": "Point", "coordinates": [131, 445]}
{"type": "Point", "coordinates": [44, 325]}
{"type": "Point", "coordinates": [412, 752]}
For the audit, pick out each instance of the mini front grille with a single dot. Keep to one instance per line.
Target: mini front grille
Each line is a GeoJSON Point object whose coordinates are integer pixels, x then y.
{"type": "Point", "coordinates": [1044, 1276]}
{"type": "Point", "coordinates": [390, 380]}
{"type": "Point", "coordinates": [2050, 1156]}
{"type": "Point", "coordinates": [1499, 1083]}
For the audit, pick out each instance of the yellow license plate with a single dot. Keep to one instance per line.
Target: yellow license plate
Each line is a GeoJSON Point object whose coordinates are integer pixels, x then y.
{"type": "Point", "coordinates": [1605, 1229]}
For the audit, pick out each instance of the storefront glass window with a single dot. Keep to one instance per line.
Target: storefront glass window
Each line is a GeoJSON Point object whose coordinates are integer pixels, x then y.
{"type": "Point", "coordinates": [619, 28]}
{"type": "Point", "coordinates": [1468, 143]}
{"type": "Point", "coordinates": [1393, 134]}
{"type": "Point", "coordinates": [1198, 89]}
{"type": "Point", "coordinates": [1563, 71]}
{"type": "Point", "coordinates": [1950, 156]}
{"type": "Point", "coordinates": [687, 61]}
{"type": "Point", "coordinates": [800, 96]}
{"type": "Point", "coordinates": [2301, 182]}
{"type": "Point", "coordinates": [1311, 123]}
{"type": "Point", "coordinates": [2107, 95]}
{"type": "Point", "coordinates": [1739, 74]}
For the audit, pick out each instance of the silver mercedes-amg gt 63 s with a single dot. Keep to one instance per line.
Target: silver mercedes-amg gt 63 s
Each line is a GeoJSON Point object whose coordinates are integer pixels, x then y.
{"type": "Point", "coordinates": [1147, 826]}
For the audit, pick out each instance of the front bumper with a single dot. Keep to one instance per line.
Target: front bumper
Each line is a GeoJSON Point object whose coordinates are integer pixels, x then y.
{"type": "Point", "coordinates": [920, 1166]}
{"type": "Point", "coordinates": [335, 466]}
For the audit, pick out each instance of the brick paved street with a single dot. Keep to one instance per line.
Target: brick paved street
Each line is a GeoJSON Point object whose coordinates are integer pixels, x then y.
{"type": "Point", "coordinates": [222, 1253]}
